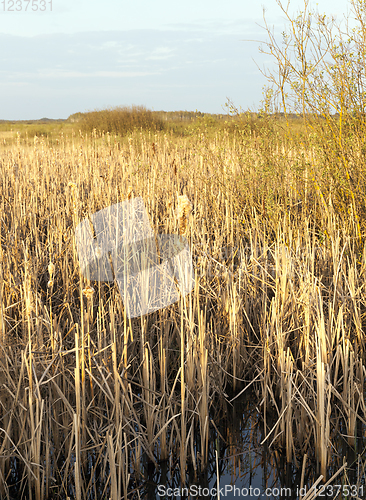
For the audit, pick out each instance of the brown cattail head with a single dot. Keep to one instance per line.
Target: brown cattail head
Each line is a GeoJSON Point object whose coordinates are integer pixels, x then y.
{"type": "Point", "coordinates": [130, 193]}
{"type": "Point", "coordinates": [184, 211]}
{"type": "Point", "coordinates": [88, 292]}
{"type": "Point", "coordinates": [51, 269]}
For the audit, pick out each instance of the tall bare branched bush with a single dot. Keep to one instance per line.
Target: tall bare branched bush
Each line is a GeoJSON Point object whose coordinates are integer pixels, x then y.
{"type": "Point", "coordinates": [320, 75]}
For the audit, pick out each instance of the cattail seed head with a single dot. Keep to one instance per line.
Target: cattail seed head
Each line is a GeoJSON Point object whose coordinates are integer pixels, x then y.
{"type": "Point", "coordinates": [184, 211]}
{"type": "Point", "coordinates": [88, 292]}
{"type": "Point", "coordinates": [51, 269]}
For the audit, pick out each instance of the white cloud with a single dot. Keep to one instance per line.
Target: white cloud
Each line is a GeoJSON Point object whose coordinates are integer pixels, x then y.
{"type": "Point", "coordinates": [161, 53]}
{"type": "Point", "coordinates": [62, 74]}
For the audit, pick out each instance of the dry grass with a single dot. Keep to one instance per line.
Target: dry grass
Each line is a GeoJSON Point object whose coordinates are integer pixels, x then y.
{"type": "Point", "coordinates": [87, 397]}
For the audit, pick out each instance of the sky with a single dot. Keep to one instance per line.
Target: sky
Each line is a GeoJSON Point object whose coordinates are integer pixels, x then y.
{"type": "Point", "coordinates": [60, 57]}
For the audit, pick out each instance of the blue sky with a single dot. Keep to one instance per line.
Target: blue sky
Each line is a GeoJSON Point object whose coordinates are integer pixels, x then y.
{"type": "Point", "coordinates": [84, 55]}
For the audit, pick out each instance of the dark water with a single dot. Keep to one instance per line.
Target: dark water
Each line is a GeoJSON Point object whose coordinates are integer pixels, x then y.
{"type": "Point", "coordinates": [249, 469]}
{"type": "Point", "coordinates": [246, 468]}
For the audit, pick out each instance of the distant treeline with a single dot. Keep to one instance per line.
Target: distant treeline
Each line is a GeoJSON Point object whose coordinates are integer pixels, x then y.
{"type": "Point", "coordinates": [123, 120]}
{"type": "Point", "coordinates": [32, 122]}
{"type": "Point", "coordinates": [139, 116]}
{"type": "Point", "coordinates": [142, 114]}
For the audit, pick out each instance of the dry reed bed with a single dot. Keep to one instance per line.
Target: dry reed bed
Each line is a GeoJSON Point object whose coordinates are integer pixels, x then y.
{"type": "Point", "coordinates": [86, 396]}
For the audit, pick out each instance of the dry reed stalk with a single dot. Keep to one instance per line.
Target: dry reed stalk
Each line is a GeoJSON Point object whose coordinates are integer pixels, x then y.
{"type": "Point", "coordinates": [124, 469]}
{"type": "Point", "coordinates": [88, 292]}
{"type": "Point", "coordinates": [2, 302]}
{"type": "Point", "coordinates": [112, 466]}
{"type": "Point", "coordinates": [349, 393]}
{"type": "Point", "coordinates": [74, 202]}
{"type": "Point", "coordinates": [77, 467]}
{"type": "Point", "coordinates": [117, 397]}
{"type": "Point", "coordinates": [290, 409]}
{"type": "Point", "coordinates": [148, 382]}
{"type": "Point", "coordinates": [321, 441]}
{"type": "Point", "coordinates": [233, 308]}
{"type": "Point", "coordinates": [163, 386]}
{"type": "Point", "coordinates": [51, 270]}
{"type": "Point", "coordinates": [183, 435]}
{"type": "Point", "coordinates": [204, 389]}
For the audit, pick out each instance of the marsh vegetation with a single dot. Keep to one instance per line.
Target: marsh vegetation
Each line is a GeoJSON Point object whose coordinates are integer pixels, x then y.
{"type": "Point", "coordinates": [90, 400]}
